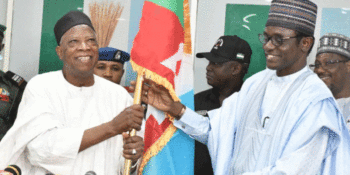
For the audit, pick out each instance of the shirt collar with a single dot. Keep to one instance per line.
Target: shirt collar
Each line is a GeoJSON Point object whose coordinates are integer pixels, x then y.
{"type": "Point", "coordinates": [290, 77]}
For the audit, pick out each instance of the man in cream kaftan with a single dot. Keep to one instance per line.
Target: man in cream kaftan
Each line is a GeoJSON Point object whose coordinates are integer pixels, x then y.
{"type": "Point", "coordinates": [53, 115]}
{"type": "Point", "coordinates": [71, 121]}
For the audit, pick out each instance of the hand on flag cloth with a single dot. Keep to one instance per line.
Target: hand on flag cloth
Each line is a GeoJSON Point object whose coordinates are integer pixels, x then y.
{"type": "Point", "coordinates": [159, 97]}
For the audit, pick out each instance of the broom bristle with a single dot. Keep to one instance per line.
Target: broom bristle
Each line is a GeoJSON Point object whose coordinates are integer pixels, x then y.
{"type": "Point", "coordinates": [104, 18]}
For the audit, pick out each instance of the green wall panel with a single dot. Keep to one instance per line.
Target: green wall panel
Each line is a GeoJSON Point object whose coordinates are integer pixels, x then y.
{"type": "Point", "coordinates": [53, 10]}
{"type": "Point", "coordinates": [247, 21]}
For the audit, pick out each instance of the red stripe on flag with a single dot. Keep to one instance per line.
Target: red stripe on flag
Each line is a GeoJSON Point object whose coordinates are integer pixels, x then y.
{"type": "Point", "coordinates": [178, 66]}
{"type": "Point", "coordinates": [158, 39]}
{"type": "Point", "coordinates": [153, 130]}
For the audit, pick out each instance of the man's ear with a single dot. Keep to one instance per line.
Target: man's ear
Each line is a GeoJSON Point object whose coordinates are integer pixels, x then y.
{"type": "Point", "coordinates": [347, 64]}
{"type": "Point", "coordinates": [236, 68]}
{"type": "Point", "coordinates": [59, 52]}
{"type": "Point", "coordinates": [306, 44]}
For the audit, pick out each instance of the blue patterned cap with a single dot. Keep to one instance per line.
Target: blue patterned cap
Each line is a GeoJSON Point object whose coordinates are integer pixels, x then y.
{"type": "Point", "coordinates": [298, 15]}
{"type": "Point", "coordinates": [112, 54]}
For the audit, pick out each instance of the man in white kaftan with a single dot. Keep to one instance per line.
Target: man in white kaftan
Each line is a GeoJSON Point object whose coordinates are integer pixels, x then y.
{"type": "Point", "coordinates": [303, 137]}
{"type": "Point", "coordinates": [332, 65]}
{"type": "Point", "coordinates": [71, 121]}
{"type": "Point", "coordinates": [284, 120]}
{"type": "Point", "coordinates": [50, 103]}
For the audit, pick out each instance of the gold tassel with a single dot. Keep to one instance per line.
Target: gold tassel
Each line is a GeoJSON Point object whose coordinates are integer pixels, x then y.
{"type": "Point", "coordinates": [187, 28]}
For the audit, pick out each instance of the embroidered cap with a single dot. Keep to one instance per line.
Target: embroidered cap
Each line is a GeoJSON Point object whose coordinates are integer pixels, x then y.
{"type": "Point", "coordinates": [298, 15]}
{"type": "Point", "coordinates": [228, 48]}
{"type": "Point", "coordinates": [68, 21]}
{"type": "Point", "coordinates": [334, 43]}
{"type": "Point", "coordinates": [113, 54]}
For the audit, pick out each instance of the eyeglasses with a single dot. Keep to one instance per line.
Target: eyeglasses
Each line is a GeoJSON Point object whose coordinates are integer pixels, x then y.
{"type": "Point", "coordinates": [275, 39]}
{"type": "Point", "coordinates": [330, 64]}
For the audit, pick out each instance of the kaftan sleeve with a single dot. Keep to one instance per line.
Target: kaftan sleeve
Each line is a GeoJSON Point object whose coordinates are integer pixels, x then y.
{"type": "Point", "coordinates": [56, 150]}
{"type": "Point", "coordinates": [194, 125]}
{"type": "Point", "coordinates": [312, 140]}
{"type": "Point", "coordinates": [200, 128]}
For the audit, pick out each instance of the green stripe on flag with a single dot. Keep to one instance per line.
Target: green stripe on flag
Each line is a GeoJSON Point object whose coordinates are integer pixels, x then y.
{"type": "Point", "coordinates": [175, 6]}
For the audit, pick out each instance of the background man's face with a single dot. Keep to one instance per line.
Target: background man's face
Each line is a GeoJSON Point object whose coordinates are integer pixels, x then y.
{"type": "Point", "coordinates": [79, 50]}
{"type": "Point", "coordinates": [285, 58]}
{"type": "Point", "coordinates": [219, 73]}
{"type": "Point", "coordinates": [335, 76]}
{"type": "Point", "coordinates": [110, 70]}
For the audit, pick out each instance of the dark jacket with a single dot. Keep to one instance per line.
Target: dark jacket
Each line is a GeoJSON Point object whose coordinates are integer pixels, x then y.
{"type": "Point", "coordinates": [11, 91]}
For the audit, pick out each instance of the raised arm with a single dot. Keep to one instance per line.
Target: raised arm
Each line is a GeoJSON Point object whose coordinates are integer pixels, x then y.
{"type": "Point", "coordinates": [57, 148]}
{"type": "Point", "coordinates": [130, 118]}
{"type": "Point", "coordinates": [187, 120]}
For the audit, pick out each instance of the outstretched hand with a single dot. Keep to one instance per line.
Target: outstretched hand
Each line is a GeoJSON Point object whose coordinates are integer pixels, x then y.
{"type": "Point", "coordinates": [156, 95]}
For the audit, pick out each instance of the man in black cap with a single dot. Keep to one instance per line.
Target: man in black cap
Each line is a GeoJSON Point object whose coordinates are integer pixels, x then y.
{"type": "Point", "coordinates": [332, 65]}
{"type": "Point", "coordinates": [110, 64]}
{"type": "Point", "coordinates": [71, 121]}
{"type": "Point", "coordinates": [228, 63]}
{"type": "Point", "coordinates": [284, 120]}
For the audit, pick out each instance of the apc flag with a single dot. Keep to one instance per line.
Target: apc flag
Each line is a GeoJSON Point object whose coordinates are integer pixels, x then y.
{"type": "Point", "coordinates": [162, 50]}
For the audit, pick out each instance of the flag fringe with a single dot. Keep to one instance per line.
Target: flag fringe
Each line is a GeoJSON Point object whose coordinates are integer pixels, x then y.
{"type": "Point", "coordinates": [157, 146]}
{"type": "Point", "coordinates": [156, 78]}
{"type": "Point", "coordinates": [187, 28]}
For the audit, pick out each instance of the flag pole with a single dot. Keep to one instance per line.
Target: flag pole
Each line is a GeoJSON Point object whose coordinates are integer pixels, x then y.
{"type": "Point", "coordinates": [137, 100]}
